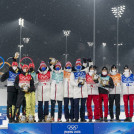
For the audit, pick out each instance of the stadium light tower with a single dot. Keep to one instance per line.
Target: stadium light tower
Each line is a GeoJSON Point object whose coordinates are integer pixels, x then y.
{"type": "Point", "coordinates": [118, 12]}
{"type": "Point", "coordinates": [104, 45]}
{"type": "Point", "coordinates": [21, 24]}
{"type": "Point", "coordinates": [26, 41]}
{"type": "Point", "coordinates": [66, 34]}
{"type": "Point", "coordinates": [90, 44]}
{"type": "Point", "coordinates": [94, 27]}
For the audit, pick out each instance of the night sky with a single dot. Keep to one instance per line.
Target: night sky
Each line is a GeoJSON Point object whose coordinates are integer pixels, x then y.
{"type": "Point", "coordinates": [45, 20]}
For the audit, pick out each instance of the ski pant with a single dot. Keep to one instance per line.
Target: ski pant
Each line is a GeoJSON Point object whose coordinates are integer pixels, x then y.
{"type": "Point", "coordinates": [115, 97]}
{"type": "Point", "coordinates": [20, 99]}
{"type": "Point", "coordinates": [130, 98]}
{"type": "Point", "coordinates": [59, 108]}
{"type": "Point", "coordinates": [24, 107]}
{"type": "Point", "coordinates": [30, 103]}
{"type": "Point", "coordinates": [95, 99]}
{"type": "Point", "coordinates": [82, 109]}
{"type": "Point", "coordinates": [42, 113]}
{"type": "Point", "coordinates": [11, 102]}
{"type": "Point", "coordinates": [69, 114]}
{"type": "Point", "coordinates": [103, 97]}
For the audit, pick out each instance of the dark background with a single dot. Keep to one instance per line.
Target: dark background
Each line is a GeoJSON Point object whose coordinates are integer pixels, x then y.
{"type": "Point", "coordinates": [45, 20]}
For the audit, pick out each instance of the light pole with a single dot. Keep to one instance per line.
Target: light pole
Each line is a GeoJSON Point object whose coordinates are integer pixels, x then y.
{"type": "Point", "coordinates": [26, 41]}
{"type": "Point", "coordinates": [90, 44]}
{"type": "Point", "coordinates": [94, 24]}
{"type": "Point", "coordinates": [21, 24]}
{"type": "Point", "coordinates": [66, 34]}
{"type": "Point", "coordinates": [121, 44]}
{"type": "Point", "coordinates": [118, 11]}
{"type": "Point", "coordinates": [104, 45]}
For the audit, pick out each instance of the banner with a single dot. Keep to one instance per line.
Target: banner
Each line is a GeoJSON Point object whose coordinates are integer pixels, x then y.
{"type": "Point", "coordinates": [72, 128]}
{"type": "Point", "coordinates": [113, 128]}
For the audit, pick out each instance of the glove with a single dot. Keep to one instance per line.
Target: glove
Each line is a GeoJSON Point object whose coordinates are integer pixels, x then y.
{"type": "Point", "coordinates": [95, 77]}
{"type": "Point", "coordinates": [96, 81]}
{"type": "Point", "coordinates": [80, 84]}
{"type": "Point", "coordinates": [25, 90]}
{"type": "Point", "coordinates": [16, 55]}
{"type": "Point", "coordinates": [1, 73]}
{"type": "Point", "coordinates": [52, 61]}
{"type": "Point", "coordinates": [105, 83]}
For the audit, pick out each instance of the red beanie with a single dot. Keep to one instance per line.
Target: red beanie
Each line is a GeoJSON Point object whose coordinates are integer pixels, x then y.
{"type": "Point", "coordinates": [58, 64]}
{"type": "Point", "coordinates": [31, 65]}
{"type": "Point", "coordinates": [68, 64]}
{"type": "Point", "coordinates": [78, 62]}
{"type": "Point", "coordinates": [25, 66]}
{"type": "Point", "coordinates": [14, 63]}
{"type": "Point", "coordinates": [42, 64]}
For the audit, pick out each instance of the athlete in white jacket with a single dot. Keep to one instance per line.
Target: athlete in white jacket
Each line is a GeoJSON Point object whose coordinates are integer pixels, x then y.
{"type": "Point", "coordinates": [43, 90]}
{"type": "Point", "coordinates": [68, 93]}
{"type": "Point", "coordinates": [57, 90]}
{"type": "Point", "coordinates": [92, 80]}
{"type": "Point", "coordinates": [78, 79]}
{"type": "Point", "coordinates": [128, 92]}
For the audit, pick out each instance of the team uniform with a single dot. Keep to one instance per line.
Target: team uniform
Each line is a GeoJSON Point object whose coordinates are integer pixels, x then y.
{"type": "Point", "coordinates": [11, 90]}
{"type": "Point", "coordinates": [68, 93]}
{"type": "Point", "coordinates": [57, 90]}
{"type": "Point", "coordinates": [106, 83]}
{"type": "Point", "coordinates": [128, 94]}
{"type": "Point", "coordinates": [25, 84]}
{"type": "Point", "coordinates": [93, 94]}
{"type": "Point", "coordinates": [43, 91]}
{"type": "Point", "coordinates": [78, 78]}
{"type": "Point", "coordinates": [114, 95]}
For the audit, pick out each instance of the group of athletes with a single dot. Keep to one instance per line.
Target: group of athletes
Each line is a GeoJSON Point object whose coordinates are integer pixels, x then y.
{"type": "Point", "coordinates": [77, 86]}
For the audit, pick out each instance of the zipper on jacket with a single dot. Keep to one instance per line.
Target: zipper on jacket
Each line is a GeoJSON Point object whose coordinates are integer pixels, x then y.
{"type": "Point", "coordinates": [128, 89]}
{"type": "Point", "coordinates": [91, 89]}
{"type": "Point", "coordinates": [81, 92]}
{"type": "Point", "coordinates": [68, 89]}
{"type": "Point", "coordinates": [55, 91]}
{"type": "Point", "coordinates": [42, 93]}
{"type": "Point", "coordinates": [115, 89]}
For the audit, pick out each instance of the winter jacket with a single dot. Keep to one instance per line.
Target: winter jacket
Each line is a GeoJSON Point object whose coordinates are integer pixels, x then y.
{"type": "Point", "coordinates": [92, 84]}
{"type": "Point", "coordinates": [57, 85]}
{"type": "Point", "coordinates": [117, 84]}
{"type": "Point", "coordinates": [24, 79]}
{"type": "Point", "coordinates": [43, 85]}
{"type": "Point", "coordinates": [68, 88]}
{"type": "Point", "coordinates": [127, 84]}
{"type": "Point", "coordinates": [10, 77]}
{"type": "Point", "coordinates": [105, 83]}
{"type": "Point", "coordinates": [76, 77]}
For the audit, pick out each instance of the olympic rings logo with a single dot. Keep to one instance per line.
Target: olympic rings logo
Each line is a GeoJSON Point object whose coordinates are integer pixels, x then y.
{"type": "Point", "coordinates": [72, 127]}
{"type": "Point", "coordinates": [25, 58]}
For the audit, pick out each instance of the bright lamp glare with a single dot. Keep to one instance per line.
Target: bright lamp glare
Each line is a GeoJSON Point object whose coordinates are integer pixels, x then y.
{"type": "Point", "coordinates": [118, 11]}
